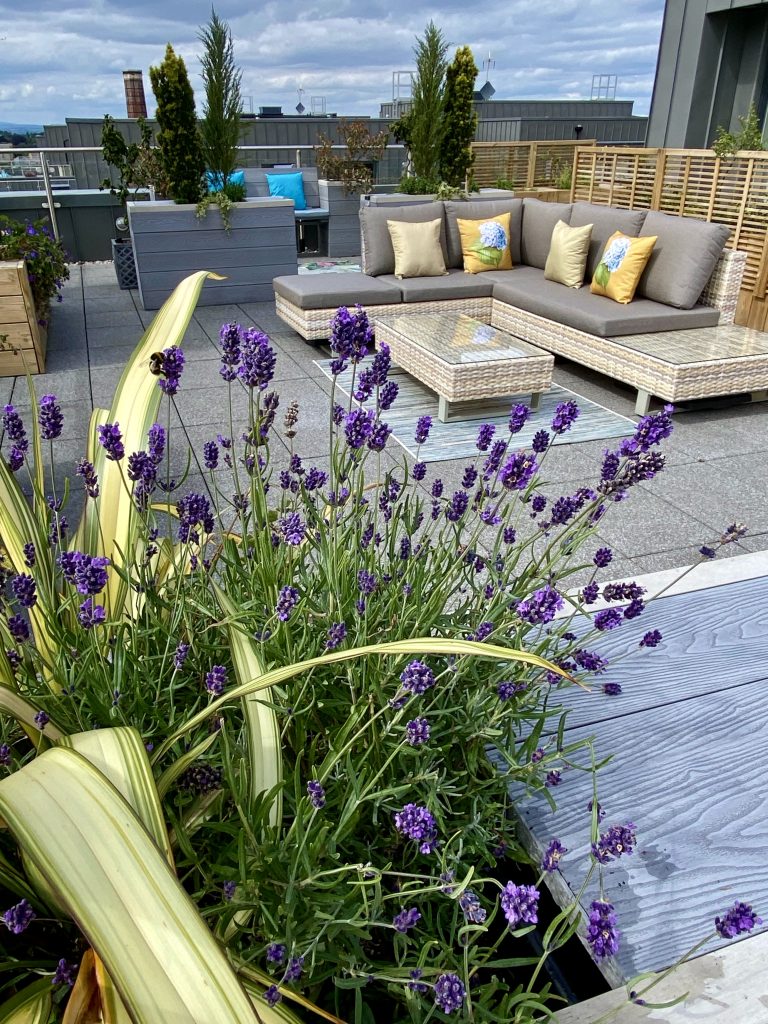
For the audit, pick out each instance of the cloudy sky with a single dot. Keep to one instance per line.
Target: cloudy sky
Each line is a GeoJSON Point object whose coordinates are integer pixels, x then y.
{"type": "Point", "coordinates": [62, 59]}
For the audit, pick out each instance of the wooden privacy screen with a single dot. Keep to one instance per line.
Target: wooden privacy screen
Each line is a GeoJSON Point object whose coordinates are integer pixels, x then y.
{"type": "Point", "coordinates": [691, 183]}
{"type": "Point", "coordinates": [526, 165]}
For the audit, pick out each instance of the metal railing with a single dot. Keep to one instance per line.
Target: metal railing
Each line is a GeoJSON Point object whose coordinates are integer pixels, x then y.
{"type": "Point", "coordinates": [51, 205]}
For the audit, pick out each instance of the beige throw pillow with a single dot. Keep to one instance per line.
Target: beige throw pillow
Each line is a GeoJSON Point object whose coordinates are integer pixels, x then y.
{"type": "Point", "coordinates": [568, 252]}
{"type": "Point", "coordinates": [417, 248]}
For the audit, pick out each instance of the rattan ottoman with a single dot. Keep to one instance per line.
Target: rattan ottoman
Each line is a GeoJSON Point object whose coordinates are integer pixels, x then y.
{"type": "Point", "coordinates": [464, 360]}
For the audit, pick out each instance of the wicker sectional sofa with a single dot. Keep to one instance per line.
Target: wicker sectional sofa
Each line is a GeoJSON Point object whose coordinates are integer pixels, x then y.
{"type": "Point", "coordinates": [691, 283]}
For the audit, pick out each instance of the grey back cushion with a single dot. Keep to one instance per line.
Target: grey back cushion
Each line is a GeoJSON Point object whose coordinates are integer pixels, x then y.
{"type": "Point", "coordinates": [539, 221]}
{"type": "Point", "coordinates": [378, 256]}
{"type": "Point", "coordinates": [477, 209]}
{"type": "Point", "coordinates": [605, 220]}
{"type": "Point", "coordinates": [683, 258]}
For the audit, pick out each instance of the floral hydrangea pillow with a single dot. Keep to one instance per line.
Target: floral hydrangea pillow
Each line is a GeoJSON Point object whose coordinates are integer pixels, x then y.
{"type": "Point", "coordinates": [623, 261]}
{"type": "Point", "coordinates": [485, 243]}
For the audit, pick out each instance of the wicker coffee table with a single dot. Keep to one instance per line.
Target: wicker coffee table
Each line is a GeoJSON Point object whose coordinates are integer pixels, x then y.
{"type": "Point", "coordinates": [464, 360]}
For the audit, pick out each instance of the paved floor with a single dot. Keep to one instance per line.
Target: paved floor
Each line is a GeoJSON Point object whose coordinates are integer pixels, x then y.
{"type": "Point", "coordinates": [717, 457]}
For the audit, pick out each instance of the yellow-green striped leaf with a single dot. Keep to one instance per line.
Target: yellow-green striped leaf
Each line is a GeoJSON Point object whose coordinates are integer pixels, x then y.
{"type": "Point", "coordinates": [110, 520]}
{"type": "Point", "coordinates": [24, 712]}
{"type": "Point", "coordinates": [94, 851]}
{"type": "Point", "coordinates": [120, 755]}
{"type": "Point", "coordinates": [416, 646]}
{"type": "Point", "coordinates": [256, 981]}
{"type": "Point", "coordinates": [30, 1006]}
{"type": "Point", "coordinates": [263, 731]}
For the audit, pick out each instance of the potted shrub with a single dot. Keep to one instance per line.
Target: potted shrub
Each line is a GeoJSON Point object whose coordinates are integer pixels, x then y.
{"type": "Point", "coordinates": [32, 270]}
{"type": "Point", "coordinates": [195, 230]}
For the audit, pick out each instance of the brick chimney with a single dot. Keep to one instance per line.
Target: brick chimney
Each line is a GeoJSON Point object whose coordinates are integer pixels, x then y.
{"type": "Point", "coordinates": [134, 93]}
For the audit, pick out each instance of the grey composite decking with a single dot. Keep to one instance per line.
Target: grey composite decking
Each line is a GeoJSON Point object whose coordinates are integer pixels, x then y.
{"type": "Point", "coordinates": [689, 735]}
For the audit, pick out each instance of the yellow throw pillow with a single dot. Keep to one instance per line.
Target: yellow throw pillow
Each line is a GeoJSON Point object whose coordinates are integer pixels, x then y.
{"type": "Point", "coordinates": [621, 266]}
{"type": "Point", "coordinates": [568, 251]}
{"type": "Point", "coordinates": [417, 248]}
{"type": "Point", "coordinates": [485, 244]}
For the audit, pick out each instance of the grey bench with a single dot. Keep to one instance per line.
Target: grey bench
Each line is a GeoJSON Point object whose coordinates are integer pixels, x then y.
{"type": "Point", "coordinates": [312, 223]}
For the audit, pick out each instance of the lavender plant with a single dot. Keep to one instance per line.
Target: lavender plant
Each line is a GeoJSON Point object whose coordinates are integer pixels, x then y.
{"type": "Point", "coordinates": [318, 657]}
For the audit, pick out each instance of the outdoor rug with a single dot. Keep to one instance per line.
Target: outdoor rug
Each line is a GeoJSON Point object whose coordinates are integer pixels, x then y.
{"type": "Point", "coordinates": [456, 440]}
{"type": "Point", "coordinates": [329, 265]}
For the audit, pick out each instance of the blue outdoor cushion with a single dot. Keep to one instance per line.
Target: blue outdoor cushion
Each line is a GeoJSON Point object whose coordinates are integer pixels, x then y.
{"type": "Point", "coordinates": [288, 186]}
{"type": "Point", "coordinates": [214, 180]}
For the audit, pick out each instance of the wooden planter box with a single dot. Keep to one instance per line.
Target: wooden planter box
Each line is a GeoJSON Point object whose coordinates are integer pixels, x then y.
{"type": "Point", "coordinates": [23, 347]}
{"type": "Point", "coordinates": [170, 243]}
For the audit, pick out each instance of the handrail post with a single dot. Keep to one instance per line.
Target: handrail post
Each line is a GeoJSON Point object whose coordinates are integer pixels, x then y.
{"type": "Point", "coordinates": [49, 194]}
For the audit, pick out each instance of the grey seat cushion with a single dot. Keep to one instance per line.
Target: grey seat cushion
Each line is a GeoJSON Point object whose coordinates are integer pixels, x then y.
{"type": "Point", "coordinates": [539, 220]}
{"type": "Point", "coordinates": [326, 291]}
{"type": "Point", "coordinates": [378, 256]}
{"type": "Point", "coordinates": [683, 258]}
{"type": "Point", "coordinates": [605, 220]}
{"type": "Point", "coordinates": [477, 209]}
{"type": "Point", "coordinates": [527, 289]}
{"type": "Point", "coordinates": [455, 285]}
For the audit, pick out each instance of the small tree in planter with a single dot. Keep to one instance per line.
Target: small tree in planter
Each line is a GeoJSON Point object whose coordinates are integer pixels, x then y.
{"type": "Point", "coordinates": [178, 138]}
{"type": "Point", "coordinates": [426, 114]}
{"type": "Point", "coordinates": [220, 127]}
{"type": "Point", "coordinates": [459, 119]}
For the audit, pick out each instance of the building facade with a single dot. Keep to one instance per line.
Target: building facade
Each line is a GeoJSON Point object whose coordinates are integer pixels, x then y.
{"type": "Point", "coordinates": [712, 65]}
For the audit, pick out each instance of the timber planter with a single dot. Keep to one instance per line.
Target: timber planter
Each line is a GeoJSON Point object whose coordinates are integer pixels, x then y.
{"type": "Point", "coordinates": [170, 242]}
{"type": "Point", "coordinates": [23, 338]}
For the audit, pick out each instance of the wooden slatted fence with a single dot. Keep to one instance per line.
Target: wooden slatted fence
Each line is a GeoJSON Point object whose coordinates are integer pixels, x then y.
{"type": "Point", "coordinates": [690, 183]}
{"type": "Point", "coordinates": [526, 165]}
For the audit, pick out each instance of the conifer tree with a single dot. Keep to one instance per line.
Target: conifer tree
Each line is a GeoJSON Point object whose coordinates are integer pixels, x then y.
{"type": "Point", "coordinates": [459, 119]}
{"type": "Point", "coordinates": [220, 126]}
{"type": "Point", "coordinates": [177, 136]}
{"type": "Point", "coordinates": [426, 114]}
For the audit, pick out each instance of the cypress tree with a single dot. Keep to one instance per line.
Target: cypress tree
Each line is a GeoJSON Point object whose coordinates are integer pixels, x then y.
{"type": "Point", "coordinates": [220, 126]}
{"type": "Point", "coordinates": [426, 114]}
{"type": "Point", "coordinates": [177, 136]}
{"type": "Point", "coordinates": [459, 120]}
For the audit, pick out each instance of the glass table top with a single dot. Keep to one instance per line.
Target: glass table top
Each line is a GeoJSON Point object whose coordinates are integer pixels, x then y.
{"type": "Point", "coordinates": [459, 338]}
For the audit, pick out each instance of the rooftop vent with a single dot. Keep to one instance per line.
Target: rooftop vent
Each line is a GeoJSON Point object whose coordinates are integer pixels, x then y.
{"type": "Point", "coordinates": [270, 111]}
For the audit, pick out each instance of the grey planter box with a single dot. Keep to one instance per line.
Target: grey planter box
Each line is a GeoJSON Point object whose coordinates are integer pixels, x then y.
{"type": "Point", "coordinates": [343, 218]}
{"type": "Point", "coordinates": [170, 242]}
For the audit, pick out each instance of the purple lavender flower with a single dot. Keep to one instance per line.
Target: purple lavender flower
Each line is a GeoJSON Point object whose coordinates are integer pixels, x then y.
{"type": "Point", "coordinates": [469, 478]}
{"type": "Point", "coordinates": [473, 909]}
{"type": "Point", "coordinates": [608, 618]}
{"type": "Point", "coordinates": [14, 428]}
{"type": "Point", "coordinates": [437, 488]}
{"type": "Point", "coordinates": [42, 719]}
{"type": "Point", "coordinates": [651, 639]}
{"type": "Point", "coordinates": [276, 953]}
{"type": "Point", "coordinates": [295, 969]}
{"type": "Point", "coordinates": [141, 467]}
{"type": "Point", "coordinates": [15, 459]}
{"type": "Point", "coordinates": [457, 506]}
{"type": "Point", "coordinates": [519, 903]}
{"type": "Point", "coordinates": [417, 678]}
{"type": "Point", "coordinates": [87, 473]}
{"type": "Point", "coordinates": [738, 919]}
{"type": "Point", "coordinates": [211, 455]}
{"type": "Point", "coordinates": [90, 574]}
{"type": "Point", "coordinates": [29, 555]}
{"type": "Point", "coordinates": [600, 811]}
{"type": "Point", "coordinates": [616, 841]}
{"type": "Point", "coordinates": [24, 590]}
{"type": "Point", "coordinates": [602, 933]}
{"type": "Point", "coordinates": [485, 437]}
{"type": "Point", "coordinates": [315, 479]}
{"type": "Point", "coordinates": [228, 891]}
{"type": "Point", "coordinates": [541, 606]}
{"type": "Point", "coordinates": [351, 335]}
{"type": "Point", "coordinates": [380, 434]}
{"type": "Point", "coordinates": [50, 418]}
{"type": "Point", "coordinates": [171, 369]}
{"type": "Point", "coordinates": [292, 528]}
{"type": "Point", "coordinates": [366, 582]}
{"type": "Point", "coordinates": [611, 689]}
{"type": "Point", "coordinates": [216, 680]}
{"type": "Point", "coordinates": [18, 628]}
{"type": "Point", "coordinates": [194, 511]}
{"type": "Point", "coordinates": [111, 440]}
{"type": "Point", "coordinates": [229, 336]}
{"type": "Point", "coordinates": [538, 503]}
{"type": "Point", "coordinates": [565, 416]}
{"type": "Point", "coordinates": [5, 750]}
{"type": "Point", "coordinates": [449, 993]}
{"type": "Point", "coordinates": [91, 615]}
{"type": "Point", "coordinates": [518, 471]}
{"type": "Point", "coordinates": [406, 920]}
{"type": "Point", "coordinates": [603, 557]}
{"type": "Point", "coordinates": [201, 779]}
{"type": "Point", "coordinates": [590, 593]}
{"type": "Point", "coordinates": [415, 985]}
{"type": "Point", "coordinates": [423, 427]}
{"type": "Point", "coordinates": [156, 443]}
{"type": "Point", "coordinates": [554, 778]}
{"type": "Point", "coordinates": [416, 822]}
{"type": "Point", "coordinates": [65, 974]}
{"type": "Point", "coordinates": [336, 634]}
{"type": "Point", "coordinates": [272, 995]}
{"type": "Point", "coordinates": [509, 535]}
{"type": "Point", "coordinates": [19, 917]}
{"type": "Point", "coordinates": [358, 427]}
{"type": "Point", "coordinates": [540, 441]}
{"type": "Point", "coordinates": [286, 602]}
{"type": "Point", "coordinates": [652, 429]}
{"type": "Point", "coordinates": [552, 856]}
{"type": "Point", "coordinates": [257, 359]}
{"type": "Point", "coordinates": [180, 656]}
{"type": "Point", "coordinates": [507, 690]}
{"type": "Point", "coordinates": [518, 418]}
{"type": "Point", "coordinates": [316, 794]}
{"type": "Point", "coordinates": [417, 731]}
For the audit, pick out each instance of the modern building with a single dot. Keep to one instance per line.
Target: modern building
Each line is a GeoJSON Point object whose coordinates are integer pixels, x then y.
{"type": "Point", "coordinates": [712, 65]}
